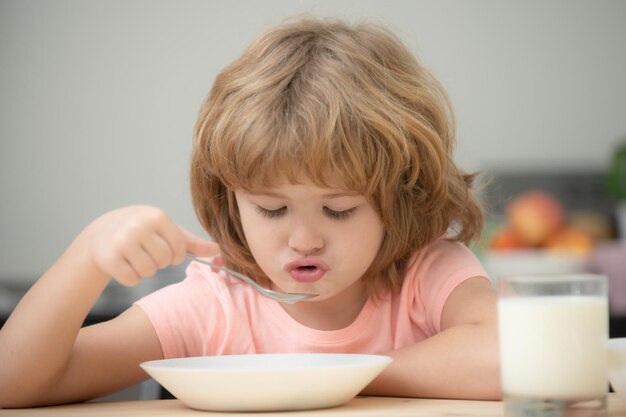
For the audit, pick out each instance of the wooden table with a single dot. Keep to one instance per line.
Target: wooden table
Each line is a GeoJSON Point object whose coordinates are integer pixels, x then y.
{"type": "Point", "coordinates": [360, 406]}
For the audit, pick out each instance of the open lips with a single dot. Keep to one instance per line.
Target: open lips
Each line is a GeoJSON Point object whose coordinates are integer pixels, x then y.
{"type": "Point", "coordinates": [307, 270]}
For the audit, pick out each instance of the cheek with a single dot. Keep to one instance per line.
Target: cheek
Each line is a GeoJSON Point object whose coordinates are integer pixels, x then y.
{"type": "Point", "coordinates": [262, 246]}
{"type": "Point", "coordinates": [364, 242]}
{"type": "Point", "coordinates": [251, 229]}
{"type": "Point", "coordinates": [258, 233]}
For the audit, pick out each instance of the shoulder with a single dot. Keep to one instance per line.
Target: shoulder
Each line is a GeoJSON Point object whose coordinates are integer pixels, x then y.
{"type": "Point", "coordinates": [433, 274]}
{"type": "Point", "coordinates": [444, 257]}
{"type": "Point", "coordinates": [199, 315]}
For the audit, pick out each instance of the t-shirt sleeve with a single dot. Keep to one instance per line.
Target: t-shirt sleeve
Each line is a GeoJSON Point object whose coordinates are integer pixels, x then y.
{"type": "Point", "coordinates": [436, 272]}
{"type": "Point", "coordinates": [195, 317]}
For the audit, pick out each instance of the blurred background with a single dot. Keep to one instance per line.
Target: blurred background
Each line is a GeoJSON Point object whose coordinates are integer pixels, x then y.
{"type": "Point", "coordinates": [98, 100]}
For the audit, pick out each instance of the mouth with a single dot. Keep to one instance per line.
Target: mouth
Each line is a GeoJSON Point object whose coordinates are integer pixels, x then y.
{"type": "Point", "coordinates": [306, 270]}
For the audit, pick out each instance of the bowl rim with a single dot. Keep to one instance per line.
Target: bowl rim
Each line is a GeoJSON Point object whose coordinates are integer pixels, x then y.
{"type": "Point", "coordinates": [174, 364]}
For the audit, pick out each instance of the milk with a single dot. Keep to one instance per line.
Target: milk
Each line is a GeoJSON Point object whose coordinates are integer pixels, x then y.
{"type": "Point", "coordinates": [553, 346]}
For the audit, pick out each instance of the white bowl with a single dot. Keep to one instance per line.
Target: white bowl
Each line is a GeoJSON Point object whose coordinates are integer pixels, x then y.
{"type": "Point", "coordinates": [266, 382]}
{"type": "Point", "coordinates": [617, 365]}
{"type": "Point", "coordinates": [499, 263]}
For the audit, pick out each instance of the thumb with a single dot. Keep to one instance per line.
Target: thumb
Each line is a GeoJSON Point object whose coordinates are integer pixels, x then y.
{"type": "Point", "coordinates": [200, 247]}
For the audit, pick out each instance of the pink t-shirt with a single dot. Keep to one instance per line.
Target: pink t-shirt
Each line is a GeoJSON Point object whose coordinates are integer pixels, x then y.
{"type": "Point", "coordinates": [207, 314]}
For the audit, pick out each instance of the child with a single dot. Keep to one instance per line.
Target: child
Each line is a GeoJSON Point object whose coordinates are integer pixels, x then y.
{"type": "Point", "coordinates": [322, 163]}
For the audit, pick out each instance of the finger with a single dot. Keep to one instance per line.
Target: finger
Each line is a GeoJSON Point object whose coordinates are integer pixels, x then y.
{"type": "Point", "coordinates": [217, 260]}
{"type": "Point", "coordinates": [159, 250]}
{"type": "Point", "coordinates": [125, 274]}
{"type": "Point", "coordinates": [199, 246]}
{"type": "Point", "coordinates": [142, 263]}
{"type": "Point", "coordinates": [114, 264]}
{"type": "Point", "coordinates": [173, 236]}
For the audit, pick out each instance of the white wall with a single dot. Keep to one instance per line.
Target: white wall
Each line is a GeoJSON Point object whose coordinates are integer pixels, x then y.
{"type": "Point", "coordinates": [98, 98]}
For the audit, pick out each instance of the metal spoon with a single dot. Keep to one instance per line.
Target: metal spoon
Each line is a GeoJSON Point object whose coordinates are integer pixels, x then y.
{"type": "Point", "coordinates": [284, 297]}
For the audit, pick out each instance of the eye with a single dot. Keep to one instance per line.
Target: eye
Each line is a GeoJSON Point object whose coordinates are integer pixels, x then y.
{"type": "Point", "coordinates": [339, 215]}
{"type": "Point", "coordinates": [271, 213]}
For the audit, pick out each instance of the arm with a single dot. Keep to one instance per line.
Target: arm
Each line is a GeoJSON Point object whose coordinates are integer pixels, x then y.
{"type": "Point", "coordinates": [46, 357]}
{"type": "Point", "coordinates": [462, 361]}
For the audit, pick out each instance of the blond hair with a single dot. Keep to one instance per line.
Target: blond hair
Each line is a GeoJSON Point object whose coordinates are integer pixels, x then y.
{"type": "Point", "coordinates": [321, 98]}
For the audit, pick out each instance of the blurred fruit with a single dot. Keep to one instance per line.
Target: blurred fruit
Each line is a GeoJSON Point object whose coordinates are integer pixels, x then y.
{"type": "Point", "coordinates": [505, 238]}
{"type": "Point", "coordinates": [534, 216]}
{"type": "Point", "coordinates": [597, 225]}
{"type": "Point", "coordinates": [570, 239]}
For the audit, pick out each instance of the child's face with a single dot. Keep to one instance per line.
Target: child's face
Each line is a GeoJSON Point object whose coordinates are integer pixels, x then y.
{"type": "Point", "coordinates": [310, 239]}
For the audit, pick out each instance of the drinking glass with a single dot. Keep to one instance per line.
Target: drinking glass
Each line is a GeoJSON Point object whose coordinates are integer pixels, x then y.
{"type": "Point", "coordinates": [553, 331]}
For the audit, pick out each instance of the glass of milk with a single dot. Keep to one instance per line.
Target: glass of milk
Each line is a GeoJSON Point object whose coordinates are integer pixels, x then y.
{"type": "Point", "coordinates": [553, 331]}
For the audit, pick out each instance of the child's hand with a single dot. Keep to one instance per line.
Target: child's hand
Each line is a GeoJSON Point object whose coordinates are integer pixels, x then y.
{"type": "Point", "coordinates": [134, 242]}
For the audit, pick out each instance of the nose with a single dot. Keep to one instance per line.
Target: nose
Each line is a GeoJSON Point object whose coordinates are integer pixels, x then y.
{"type": "Point", "coordinates": [305, 238]}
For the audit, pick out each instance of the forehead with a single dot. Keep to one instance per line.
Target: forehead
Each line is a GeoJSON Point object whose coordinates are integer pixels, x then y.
{"type": "Point", "coordinates": [279, 182]}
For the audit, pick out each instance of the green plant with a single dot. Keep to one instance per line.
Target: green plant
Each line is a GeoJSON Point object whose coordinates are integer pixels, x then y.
{"type": "Point", "coordinates": [616, 178]}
